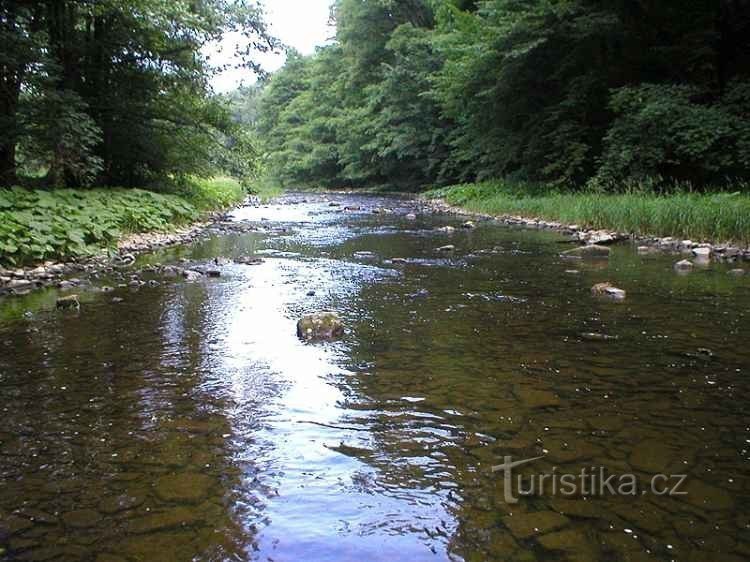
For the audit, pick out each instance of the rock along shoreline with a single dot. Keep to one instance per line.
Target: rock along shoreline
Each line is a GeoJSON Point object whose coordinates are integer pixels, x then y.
{"type": "Point", "coordinates": [76, 272]}
{"type": "Point", "coordinates": [700, 251]}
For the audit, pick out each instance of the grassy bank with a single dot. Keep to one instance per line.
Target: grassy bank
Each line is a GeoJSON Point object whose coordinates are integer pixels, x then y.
{"type": "Point", "coordinates": [37, 225]}
{"type": "Point", "coordinates": [719, 217]}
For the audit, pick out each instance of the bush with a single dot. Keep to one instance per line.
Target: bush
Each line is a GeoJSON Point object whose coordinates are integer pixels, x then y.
{"type": "Point", "coordinates": [36, 225]}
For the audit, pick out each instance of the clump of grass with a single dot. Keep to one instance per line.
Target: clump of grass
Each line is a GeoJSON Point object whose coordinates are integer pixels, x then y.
{"type": "Point", "coordinates": [721, 217]}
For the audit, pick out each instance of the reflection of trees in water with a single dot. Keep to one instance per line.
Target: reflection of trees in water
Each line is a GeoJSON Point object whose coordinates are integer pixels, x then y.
{"type": "Point", "coordinates": [100, 410]}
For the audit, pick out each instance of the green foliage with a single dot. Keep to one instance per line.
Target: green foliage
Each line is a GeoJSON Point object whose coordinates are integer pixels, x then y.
{"type": "Point", "coordinates": [665, 130]}
{"type": "Point", "coordinates": [423, 92]}
{"type": "Point", "coordinates": [118, 92]}
{"type": "Point", "coordinates": [212, 194]}
{"type": "Point", "coordinates": [680, 213]}
{"type": "Point", "coordinates": [36, 225]}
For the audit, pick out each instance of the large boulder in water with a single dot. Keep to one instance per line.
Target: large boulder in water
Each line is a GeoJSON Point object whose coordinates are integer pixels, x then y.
{"type": "Point", "coordinates": [320, 326]}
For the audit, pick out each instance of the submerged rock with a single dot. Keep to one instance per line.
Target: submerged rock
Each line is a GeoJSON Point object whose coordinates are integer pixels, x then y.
{"type": "Point", "coordinates": [607, 290]}
{"type": "Point", "coordinates": [188, 487]}
{"type": "Point", "coordinates": [447, 229]}
{"type": "Point", "coordinates": [592, 251]}
{"type": "Point", "coordinates": [526, 525]}
{"type": "Point", "coordinates": [82, 519]}
{"type": "Point", "coordinates": [421, 294]}
{"type": "Point", "coordinates": [448, 248]}
{"type": "Point", "coordinates": [684, 265]}
{"type": "Point", "coordinates": [594, 336]}
{"type": "Point", "coordinates": [70, 302]}
{"type": "Point", "coordinates": [737, 272]}
{"type": "Point", "coordinates": [320, 326]}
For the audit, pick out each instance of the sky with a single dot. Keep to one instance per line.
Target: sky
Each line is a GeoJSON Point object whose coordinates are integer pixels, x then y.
{"type": "Point", "coordinates": [302, 24]}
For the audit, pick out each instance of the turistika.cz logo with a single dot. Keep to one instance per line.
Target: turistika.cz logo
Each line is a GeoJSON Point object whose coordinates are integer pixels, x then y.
{"type": "Point", "coordinates": [590, 481]}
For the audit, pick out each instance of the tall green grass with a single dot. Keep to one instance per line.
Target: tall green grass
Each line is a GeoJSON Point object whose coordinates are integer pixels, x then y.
{"type": "Point", "coordinates": [36, 225]}
{"type": "Point", "coordinates": [719, 217]}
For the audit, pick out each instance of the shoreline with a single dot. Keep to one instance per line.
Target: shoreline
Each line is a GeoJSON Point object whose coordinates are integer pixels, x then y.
{"type": "Point", "coordinates": [701, 251]}
{"type": "Point", "coordinates": [68, 274]}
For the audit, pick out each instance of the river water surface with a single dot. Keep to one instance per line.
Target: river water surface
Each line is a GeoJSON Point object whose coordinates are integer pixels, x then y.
{"type": "Point", "coordinates": [188, 422]}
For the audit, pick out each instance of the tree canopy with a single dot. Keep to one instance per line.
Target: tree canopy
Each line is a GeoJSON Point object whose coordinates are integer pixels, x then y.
{"type": "Point", "coordinates": [567, 92]}
{"type": "Point", "coordinates": [117, 92]}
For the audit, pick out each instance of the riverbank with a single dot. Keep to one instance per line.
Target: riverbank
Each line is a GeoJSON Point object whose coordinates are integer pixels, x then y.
{"type": "Point", "coordinates": [680, 221]}
{"type": "Point", "coordinates": [46, 236]}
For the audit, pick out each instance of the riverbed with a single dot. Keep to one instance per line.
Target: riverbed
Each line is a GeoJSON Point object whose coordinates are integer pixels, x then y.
{"type": "Point", "coordinates": [186, 421]}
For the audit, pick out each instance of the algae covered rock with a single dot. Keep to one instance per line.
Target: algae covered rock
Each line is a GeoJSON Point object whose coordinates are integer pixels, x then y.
{"type": "Point", "coordinates": [591, 251]}
{"type": "Point", "coordinates": [607, 290]}
{"type": "Point", "coordinates": [320, 326]}
{"type": "Point", "coordinates": [71, 302]}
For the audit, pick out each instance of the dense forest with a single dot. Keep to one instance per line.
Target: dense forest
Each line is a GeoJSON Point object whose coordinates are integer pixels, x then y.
{"type": "Point", "coordinates": [571, 93]}
{"type": "Point", "coordinates": [117, 92]}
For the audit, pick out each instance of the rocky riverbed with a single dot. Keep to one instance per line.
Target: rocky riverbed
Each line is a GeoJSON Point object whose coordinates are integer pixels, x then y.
{"type": "Point", "coordinates": [180, 409]}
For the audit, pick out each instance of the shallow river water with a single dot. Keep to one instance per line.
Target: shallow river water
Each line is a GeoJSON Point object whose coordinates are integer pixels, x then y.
{"type": "Point", "coordinates": [188, 422]}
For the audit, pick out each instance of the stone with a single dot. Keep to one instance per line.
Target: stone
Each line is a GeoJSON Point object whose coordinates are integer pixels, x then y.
{"type": "Point", "coordinates": [161, 521]}
{"type": "Point", "coordinates": [533, 398]}
{"type": "Point", "coordinates": [651, 456]}
{"type": "Point", "coordinates": [703, 252]}
{"type": "Point", "coordinates": [213, 273]}
{"type": "Point", "coordinates": [591, 251]}
{"type": "Point", "coordinates": [581, 508]}
{"type": "Point", "coordinates": [573, 542]}
{"type": "Point", "coordinates": [398, 261]}
{"type": "Point", "coordinates": [411, 217]}
{"type": "Point", "coordinates": [70, 302]}
{"type": "Point", "coordinates": [607, 290]}
{"type": "Point", "coordinates": [706, 496]}
{"type": "Point", "coordinates": [684, 265]}
{"type": "Point", "coordinates": [185, 487]}
{"type": "Point", "coordinates": [644, 250]}
{"type": "Point", "coordinates": [82, 519]}
{"type": "Point", "coordinates": [526, 525]}
{"type": "Point", "coordinates": [20, 285]}
{"type": "Point", "coordinates": [421, 294]}
{"type": "Point", "coordinates": [446, 249]}
{"type": "Point", "coordinates": [191, 275]}
{"type": "Point", "coordinates": [320, 326]}
{"type": "Point", "coordinates": [447, 229]}
{"type": "Point", "coordinates": [737, 272]}
{"type": "Point", "coordinates": [117, 504]}
{"type": "Point", "coordinates": [12, 524]}
{"type": "Point", "coordinates": [597, 337]}
{"type": "Point", "coordinates": [599, 237]}
{"type": "Point", "coordinates": [469, 225]}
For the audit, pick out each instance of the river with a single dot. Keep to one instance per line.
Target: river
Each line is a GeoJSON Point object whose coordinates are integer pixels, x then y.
{"type": "Point", "coordinates": [188, 422]}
